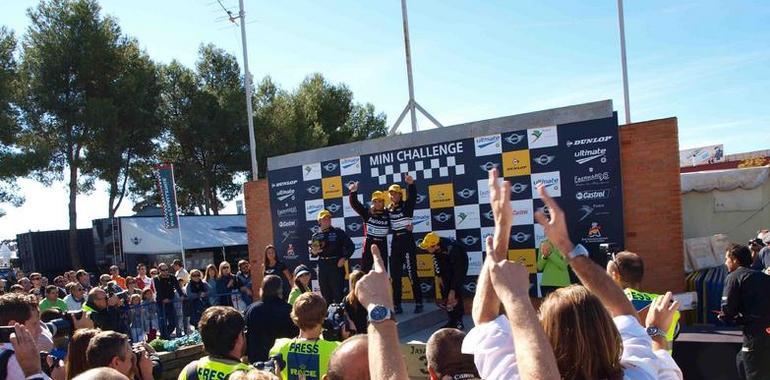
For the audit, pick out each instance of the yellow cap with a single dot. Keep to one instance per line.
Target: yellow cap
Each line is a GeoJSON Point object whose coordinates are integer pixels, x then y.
{"type": "Point", "coordinates": [429, 240]}
{"type": "Point", "coordinates": [395, 188]}
{"type": "Point", "coordinates": [378, 196]}
{"type": "Point", "coordinates": [323, 213]}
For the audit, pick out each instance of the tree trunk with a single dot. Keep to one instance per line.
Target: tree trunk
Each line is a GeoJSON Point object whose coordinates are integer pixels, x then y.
{"type": "Point", "coordinates": [73, 218]}
{"type": "Point", "coordinates": [214, 201]}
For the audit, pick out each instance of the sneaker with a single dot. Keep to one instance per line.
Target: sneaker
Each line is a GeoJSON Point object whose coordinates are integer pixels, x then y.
{"type": "Point", "coordinates": [398, 309]}
{"type": "Point", "coordinates": [418, 308]}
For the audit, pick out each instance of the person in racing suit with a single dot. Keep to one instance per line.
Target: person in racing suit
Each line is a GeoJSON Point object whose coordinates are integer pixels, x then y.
{"type": "Point", "coordinates": [376, 225]}
{"type": "Point", "coordinates": [403, 250]}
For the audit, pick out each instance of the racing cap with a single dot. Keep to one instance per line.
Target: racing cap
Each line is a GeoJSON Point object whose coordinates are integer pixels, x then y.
{"type": "Point", "coordinates": [395, 187]}
{"type": "Point", "coordinates": [300, 270]}
{"type": "Point", "coordinates": [323, 213]}
{"type": "Point", "coordinates": [378, 196]}
{"type": "Point", "coordinates": [429, 240]}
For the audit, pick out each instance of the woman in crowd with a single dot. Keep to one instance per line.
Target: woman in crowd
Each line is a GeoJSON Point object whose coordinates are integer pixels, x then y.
{"type": "Point", "coordinates": [197, 296]}
{"type": "Point", "coordinates": [554, 267]}
{"type": "Point", "coordinates": [142, 280]}
{"type": "Point", "coordinates": [301, 282]}
{"type": "Point", "coordinates": [212, 274]}
{"type": "Point", "coordinates": [75, 363]}
{"type": "Point", "coordinates": [227, 283]}
{"type": "Point", "coordinates": [276, 267]}
{"type": "Point", "coordinates": [355, 311]}
{"type": "Point", "coordinates": [131, 286]}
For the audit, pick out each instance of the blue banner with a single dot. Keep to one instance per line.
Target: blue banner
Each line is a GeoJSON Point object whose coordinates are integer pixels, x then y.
{"type": "Point", "coordinates": [167, 190]}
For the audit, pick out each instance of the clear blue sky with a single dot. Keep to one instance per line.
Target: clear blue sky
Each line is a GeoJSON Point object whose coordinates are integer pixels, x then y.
{"type": "Point", "coordinates": [706, 62]}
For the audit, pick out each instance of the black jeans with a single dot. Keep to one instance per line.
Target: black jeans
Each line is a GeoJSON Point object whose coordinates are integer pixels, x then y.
{"type": "Point", "coordinates": [367, 260]}
{"type": "Point", "coordinates": [753, 360]}
{"type": "Point", "coordinates": [456, 314]}
{"type": "Point", "coordinates": [167, 314]}
{"type": "Point", "coordinates": [331, 279]}
{"type": "Point", "coordinates": [404, 253]}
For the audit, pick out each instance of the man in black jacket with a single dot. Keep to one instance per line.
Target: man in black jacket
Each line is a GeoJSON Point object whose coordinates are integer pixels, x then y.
{"type": "Point", "coordinates": [451, 261]}
{"type": "Point", "coordinates": [267, 320]}
{"type": "Point", "coordinates": [165, 285]}
{"type": "Point", "coordinates": [105, 311]}
{"type": "Point", "coordinates": [403, 250]}
{"type": "Point", "coordinates": [376, 225]}
{"type": "Point", "coordinates": [745, 302]}
{"type": "Point", "coordinates": [333, 248]}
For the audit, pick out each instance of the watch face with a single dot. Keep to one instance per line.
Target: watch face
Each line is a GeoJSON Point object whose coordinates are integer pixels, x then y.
{"type": "Point", "coordinates": [378, 313]}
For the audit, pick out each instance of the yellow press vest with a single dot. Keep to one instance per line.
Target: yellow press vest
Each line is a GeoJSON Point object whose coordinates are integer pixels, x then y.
{"type": "Point", "coordinates": [642, 300]}
{"type": "Point", "coordinates": [304, 359]}
{"type": "Point", "coordinates": [210, 369]}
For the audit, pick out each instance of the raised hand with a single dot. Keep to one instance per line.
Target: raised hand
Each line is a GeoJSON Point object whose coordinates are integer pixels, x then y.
{"type": "Point", "coordinates": [500, 201]}
{"type": "Point", "coordinates": [555, 228]}
{"type": "Point", "coordinates": [353, 187]}
{"type": "Point", "coordinates": [374, 287]}
{"type": "Point", "coordinates": [661, 312]}
{"type": "Point", "coordinates": [409, 179]}
{"type": "Point", "coordinates": [26, 350]}
{"type": "Point", "coordinates": [510, 279]}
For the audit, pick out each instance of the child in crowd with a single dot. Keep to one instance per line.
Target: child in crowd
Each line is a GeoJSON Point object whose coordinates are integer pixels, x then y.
{"type": "Point", "coordinates": [150, 314]}
{"type": "Point", "coordinates": [135, 312]}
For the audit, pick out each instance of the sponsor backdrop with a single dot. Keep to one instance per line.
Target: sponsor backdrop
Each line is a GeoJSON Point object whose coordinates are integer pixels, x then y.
{"type": "Point", "coordinates": [579, 163]}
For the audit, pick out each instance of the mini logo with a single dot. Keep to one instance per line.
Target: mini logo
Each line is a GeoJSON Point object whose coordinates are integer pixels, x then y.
{"type": "Point", "coordinates": [545, 210]}
{"type": "Point", "coordinates": [466, 193]}
{"type": "Point", "coordinates": [487, 166]}
{"type": "Point", "coordinates": [592, 195]}
{"type": "Point", "coordinates": [518, 187]}
{"type": "Point", "coordinates": [330, 167]}
{"type": "Point", "coordinates": [420, 198]}
{"type": "Point", "coordinates": [469, 240]}
{"type": "Point", "coordinates": [461, 216]}
{"type": "Point", "coordinates": [586, 155]}
{"type": "Point", "coordinates": [544, 159]}
{"type": "Point", "coordinates": [443, 217]}
{"type": "Point", "coordinates": [489, 215]}
{"type": "Point", "coordinates": [586, 210]}
{"type": "Point", "coordinates": [588, 141]}
{"type": "Point", "coordinates": [333, 208]}
{"type": "Point", "coordinates": [136, 240]}
{"type": "Point", "coordinates": [470, 287]}
{"type": "Point", "coordinates": [354, 226]}
{"type": "Point", "coordinates": [514, 139]}
{"type": "Point", "coordinates": [520, 237]}
{"type": "Point", "coordinates": [595, 231]}
{"type": "Point", "coordinates": [285, 194]}
{"type": "Point", "coordinates": [287, 223]}
{"type": "Point", "coordinates": [425, 288]}
{"type": "Point", "coordinates": [314, 189]}
{"type": "Point", "coordinates": [312, 209]}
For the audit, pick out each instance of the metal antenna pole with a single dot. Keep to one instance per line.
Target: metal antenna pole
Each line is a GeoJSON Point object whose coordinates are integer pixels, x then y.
{"type": "Point", "coordinates": [247, 80]}
{"type": "Point", "coordinates": [412, 107]}
{"type": "Point", "coordinates": [622, 26]}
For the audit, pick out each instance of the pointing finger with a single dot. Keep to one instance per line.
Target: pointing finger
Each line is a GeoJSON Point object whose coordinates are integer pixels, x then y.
{"type": "Point", "coordinates": [552, 206]}
{"type": "Point", "coordinates": [379, 265]}
{"type": "Point", "coordinates": [541, 218]}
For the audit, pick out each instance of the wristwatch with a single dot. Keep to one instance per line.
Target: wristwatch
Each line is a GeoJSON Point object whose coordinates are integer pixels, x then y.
{"type": "Point", "coordinates": [379, 313]}
{"type": "Point", "coordinates": [576, 252]}
{"type": "Point", "coordinates": [653, 331]}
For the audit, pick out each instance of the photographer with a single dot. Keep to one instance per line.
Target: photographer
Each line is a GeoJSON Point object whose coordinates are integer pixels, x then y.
{"type": "Point", "coordinates": [112, 349]}
{"type": "Point", "coordinates": [20, 311]}
{"type": "Point", "coordinates": [104, 311]}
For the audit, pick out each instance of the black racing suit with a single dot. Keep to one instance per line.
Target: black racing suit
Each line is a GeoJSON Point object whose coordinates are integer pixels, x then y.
{"type": "Point", "coordinates": [745, 302]}
{"type": "Point", "coordinates": [403, 250]}
{"type": "Point", "coordinates": [451, 262]}
{"type": "Point", "coordinates": [376, 228]}
{"type": "Point", "coordinates": [335, 244]}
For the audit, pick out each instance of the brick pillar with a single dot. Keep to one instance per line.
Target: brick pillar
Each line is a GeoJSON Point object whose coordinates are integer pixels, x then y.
{"type": "Point", "coordinates": [652, 205]}
{"type": "Point", "coordinates": [259, 226]}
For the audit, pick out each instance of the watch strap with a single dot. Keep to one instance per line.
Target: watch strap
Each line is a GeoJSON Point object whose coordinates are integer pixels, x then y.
{"type": "Point", "coordinates": [576, 252]}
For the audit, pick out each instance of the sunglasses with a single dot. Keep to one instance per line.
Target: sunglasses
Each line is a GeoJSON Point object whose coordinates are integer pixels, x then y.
{"type": "Point", "coordinates": [195, 275]}
{"type": "Point", "coordinates": [163, 270]}
{"type": "Point", "coordinates": [35, 278]}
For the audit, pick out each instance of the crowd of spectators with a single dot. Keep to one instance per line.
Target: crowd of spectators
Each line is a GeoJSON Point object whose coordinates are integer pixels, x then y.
{"type": "Point", "coordinates": [588, 331]}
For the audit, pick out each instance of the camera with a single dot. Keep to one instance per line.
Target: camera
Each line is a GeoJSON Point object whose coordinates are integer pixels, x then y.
{"type": "Point", "coordinates": [64, 326]}
{"type": "Point", "coordinates": [274, 364]}
{"type": "Point", "coordinates": [335, 322]}
{"type": "Point", "coordinates": [112, 289]}
{"type": "Point", "coordinates": [609, 249]}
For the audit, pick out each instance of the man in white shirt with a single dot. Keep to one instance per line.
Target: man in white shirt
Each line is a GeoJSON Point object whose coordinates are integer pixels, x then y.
{"type": "Point", "coordinates": [181, 274]}
{"type": "Point", "coordinates": [22, 310]}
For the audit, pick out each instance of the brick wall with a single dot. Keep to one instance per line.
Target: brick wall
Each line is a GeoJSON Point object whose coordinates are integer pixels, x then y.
{"type": "Point", "coordinates": [652, 205]}
{"type": "Point", "coordinates": [259, 226]}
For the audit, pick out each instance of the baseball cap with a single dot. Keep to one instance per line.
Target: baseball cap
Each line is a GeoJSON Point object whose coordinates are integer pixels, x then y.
{"type": "Point", "coordinates": [395, 187]}
{"type": "Point", "coordinates": [378, 196]}
{"type": "Point", "coordinates": [429, 240]}
{"type": "Point", "coordinates": [300, 270]}
{"type": "Point", "coordinates": [757, 241]}
{"type": "Point", "coordinates": [323, 213]}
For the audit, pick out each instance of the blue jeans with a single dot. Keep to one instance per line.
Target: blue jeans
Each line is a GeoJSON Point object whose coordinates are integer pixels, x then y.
{"type": "Point", "coordinates": [167, 316]}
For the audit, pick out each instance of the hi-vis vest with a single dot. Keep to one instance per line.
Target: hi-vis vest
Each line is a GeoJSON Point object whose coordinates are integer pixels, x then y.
{"type": "Point", "coordinates": [208, 369]}
{"type": "Point", "coordinates": [642, 300]}
{"type": "Point", "coordinates": [305, 359]}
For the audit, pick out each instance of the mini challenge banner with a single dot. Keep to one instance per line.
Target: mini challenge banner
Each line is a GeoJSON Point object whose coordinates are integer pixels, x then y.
{"type": "Point", "coordinates": [579, 163]}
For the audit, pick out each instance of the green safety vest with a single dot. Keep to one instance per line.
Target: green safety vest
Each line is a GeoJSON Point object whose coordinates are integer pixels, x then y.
{"type": "Point", "coordinates": [307, 358]}
{"type": "Point", "coordinates": [207, 368]}
{"type": "Point", "coordinates": [642, 300]}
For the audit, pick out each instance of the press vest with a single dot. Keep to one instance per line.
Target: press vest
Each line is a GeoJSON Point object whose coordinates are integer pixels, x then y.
{"type": "Point", "coordinates": [308, 358]}
{"type": "Point", "coordinates": [642, 300]}
{"type": "Point", "coordinates": [211, 369]}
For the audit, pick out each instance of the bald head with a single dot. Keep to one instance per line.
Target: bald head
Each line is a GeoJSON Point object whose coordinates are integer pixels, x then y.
{"type": "Point", "coordinates": [350, 360]}
{"type": "Point", "coordinates": [627, 269]}
{"type": "Point", "coordinates": [101, 373]}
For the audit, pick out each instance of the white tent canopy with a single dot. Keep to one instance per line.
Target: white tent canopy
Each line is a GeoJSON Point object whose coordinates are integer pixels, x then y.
{"type": "Point", "coordinates": [725, 180]}
{"type": "Point", "coordinates": [146, 235]}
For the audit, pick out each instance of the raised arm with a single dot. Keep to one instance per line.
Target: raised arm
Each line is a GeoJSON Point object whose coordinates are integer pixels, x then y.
{"type": "Point", "coordinates": [355, 204]}
{"type": "Point", "coordinates": [411, 194]}
{"type": "Point", "coordinates": [510, 280]}
{"type": "Point", "coordinates": [591, 275]}
{"type": "Point", "coordinates": [486, 305]}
